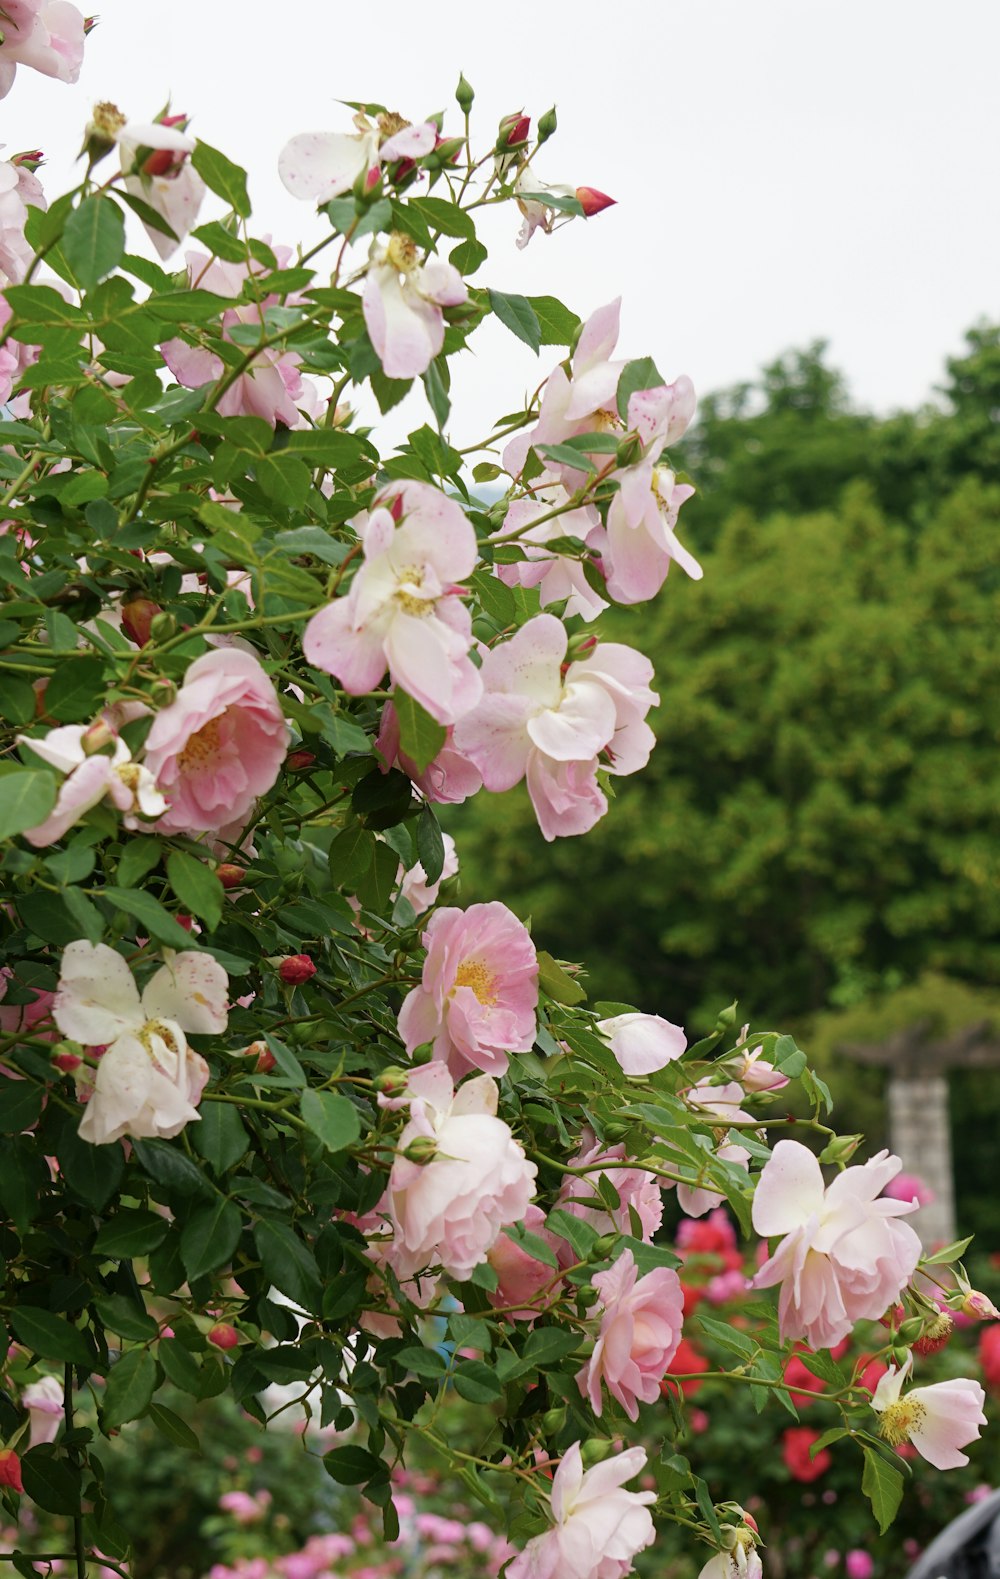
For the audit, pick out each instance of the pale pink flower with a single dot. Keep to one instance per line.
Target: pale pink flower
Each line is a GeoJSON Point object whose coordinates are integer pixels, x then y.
{"type": "Point", "coordinates": [641, 540]}
{"type": "Point", "coordinates": [641, 1321]}
{"type": "Point", "coordinates": [721, 1101]}
{"type": "Point", "coordinates": [322, 165]}
{"type": "Point", "coordinates": [19, 189]}
{"type": "Point", "coordinates": [844, 1256]}
{"type": "Point", "coordinates": [44, 1402]}
{"type": "Point", "coordinates": [695, 1199]}
{"type": "Point", "coordinates": [598, 1527]}
{"type": "Point", "coordinates": [402, 302]}
{"type": "Point", "coordinates": [404, 611]}
{"type": "Point", "coordinates": [416, 890]}
{"type": "Point", "coordinates": [555, 724]}
{"type": "Point", "coordinates": [272, 388]}
{"type": "Point", "coordinates": [15, 357]}
{"type": "Point", "coordinates": [449, 1211]}
{"type": "Point", "coordinates": [725, 1286]}
{"type": "Point", "coordinates": [165, 179]}
{"type": "Point", "coordinates": [522, 1278]}
{"type": "Point", "coordinates": [219, 745]}
{"type": "Point", "coordinates": [479, 990]}
{"type": "Point", "coordinates": [743, 1562]}
{"type": "Point", "coordinates": [46, 35]}
{"type": "Point", "coordinates": [754, 1073]}
{"type": "Point", "coordinates": [15, 1017]}
{"type": "Point", "coordinates": [939, 1420]}
{"type": "Point", "coordinates": [148, 1080]}
{"type": "Point", "coordinates": [636, 1188]}
{"type": "Point", "coordinates": [449, 778]}
{"type": "Point", "coordinates": [91, 776]}
{"type": "Point", "coordinates": [643, 1043]}
{"type": "Point", "coordinates": [558, 577]}
{"type": "Point", "coordinates": [909, 1187]}
{"type": "Point", "coordinates": [571, 404]}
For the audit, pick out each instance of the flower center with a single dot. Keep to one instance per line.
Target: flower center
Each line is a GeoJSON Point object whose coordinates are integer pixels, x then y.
{"type": "Point", "coordinates": [389, 123]}
{"type": "Point", "coordinates": [107, 119]}
{"type": "Point", "coordinates": [900, 1420]}
{"type": "Point", "coordinates": [473, 973]}
{"type": "Point", "coordinates": [156, 1028]}
{"type": "Point", "coordinates": [407, 595]}
{"type": "Point", "coordinates": [401, 252]}
{"type": "Point", "coordinates": [202, 747]}
{"type": "Point", "coordinates": [663, 487]}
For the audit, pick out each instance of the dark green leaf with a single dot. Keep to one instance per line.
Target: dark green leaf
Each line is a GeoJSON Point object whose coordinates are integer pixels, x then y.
{"type": "Point", "coordinates": [220, 1137]}
{"type": "Point", "coordinates": [22, 1103]}
{"type": "Point", "coordinates": [26, 798]}
{"type": "Point", "coordinates": [222, 177]}
{"type": "Point", "coordinates": [181, 1366]}
{"type": "Point", "coordinates": [197, 888]}
{"type": "Point", "coordinates": [332, 1117]}
{"type": "Point", "coordinates": [352, 1466]}
{"type": "Point", "coordinates": [75, 690]}
{"type": "Point", "coordinates": [883, 1486]}
{"type": "Point", "coordinates": [94, 240]}
{"type": "Point", "coordinates": [130, 1233]}
{"type": "Point", "coordinates": [92, 1172]}
{"type": "Point", "coordinates": [517, 314]}
{"type": "Point", "coordinates": [430, 844]}
{"type": "Point", "coordinates": [51, 1336]}
{"type": "Point", "coordinates": [351, 855]}
{"type": "Point", "coordinates": [130, 1388]}
{"type": "Point", "coordinates": [50, 1481]}
{"type": "Point", "coordinates": [641, 374]}
{"type": "Point", "coordinates": [119, 1314]}
{"type": "Point", "coordinates": [174, 1428]}
{"type": "Point", "coordinates": [289, 1263]}
{"type": "Point", "coordinates": [210, 1237]}
{"type": "Point", "coordinates": [151, 916]}
{"type": "Point", "coordinates": [169, 1166]}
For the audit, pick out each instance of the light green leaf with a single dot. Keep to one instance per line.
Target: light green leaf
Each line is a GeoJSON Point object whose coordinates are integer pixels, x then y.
{"type": "Point", "coordinates": [26, 798]}
{"type": "Point", "coordinates": [225, 179]}
{"type": "Point", "coordinates": [420, 736]}
{"type": "Point", "coordinates": [94, 240]}
{"type": "Point", "coordinates": [332, 1117]}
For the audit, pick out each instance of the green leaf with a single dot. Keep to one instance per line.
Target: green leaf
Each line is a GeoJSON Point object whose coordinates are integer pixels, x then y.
{"type": "Point", "coordinates": [131, 1233]}
{"type": "Point", "coordinates": [75, 690]}
{"type": "Point", "coordinates": [517, 314]}
{"type": "Point", "coordinates": [546, 1345]}
{"type": "Point", "coordinates": [436, 389]}
{"type": "Point", "coordinates": [420, 736]}
{"type": "Point", "coordinates": [210, 1237]}
{"type": "Point", "coordinates": [174, 1428]}
{"type": "Point", "coordinates": [169, 1166]}
{"type": "Point", "coordinates": [50, 1481]}
{"type": "Point", "coordinates": [496, 597]}
{"type": "Point", "coordinates": [340, 731]}
{"type": "Point", "coordinates": [88, 919]}
{"type": "Point", "coordinates": [289, 1263]}
{"type": "Point", "coordinates": [220, 1137]}
{"type": "Point", "coordinates": [197, 888]}
{"type": "Point", "coordinates": [559, 985]}
{"type": "Point", "coordinates": [130, 1388]}
{"type": "Point", "coordinates": [431, 1364]}
{"type": "Point", "coordinates": [121, 1315]}
{"type": "Point", "coordinates": [181, 1366]}
{"type": "Point", "coordinates": [640, 374]}
{"type": "Point", "coordinates": [51, 1336]}
{"type": "Point", "coordinates": [351, 855]}
{"type": "Point", "coordinates": [222, 177]}
{"type": "Point", "coordinates": [352, 1466]}
{"type": "Point", "coordinates": [151, 916]}
{"type": "Point", "coordinates": [312, 540]}
{"type": "Point", "coordinates": [728, 1336]}
{"type": "Point", "coordinates": [444, 216]}
{"type": "Point", "coordinates": [828, 1437]}
{"type": "Point", "coordinates": [22, 1103]}
{"type": "Point", "coordinates": [557, 323]}
{"type": "Point", "coordinates": [139, 857]}
{"type": "Point", "coordinates": [562, 205]}
{"type": "Point", "coordinates": [284, 478]}
{"type": "Point", "coordinates": [883, 1486]}
{"type": "Point", "coordinates": [332, 1117]}
{"type": "Point", "coordinates": [378, 882]}
{"type": "Point", "coordinates": [430, 844]}
{"type": "Point", "coordinates": [949, 1253]}
{"type": "Point", "coordinates": [564, 456]}
{"type": "Point", "coordinates": [26, 798]}
{"type": "Point", "coordinates": [468, 256]}
{"type": "Point", "coordinates": [92, 1172]}
{"type": "Point", "coordinates": [94, 240]}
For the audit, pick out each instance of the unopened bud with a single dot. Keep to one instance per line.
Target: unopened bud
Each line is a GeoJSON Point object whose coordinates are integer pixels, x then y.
{"type": "Point", "coordinates": [841, 1148]}
{"type": "Point", "coordinates": [224, 1335]}
{"type": "Point", "coordinates": [230, 875]}
{"type": "Point", "coordinates": [553, 1420]}
{"type": "Point", "coordinates": [730, 1536]}
{"type": "Point", "coordinates": [298, 761]}
{"type": "Point", "coordinates": [10, 1469]}
{"type": "Point", "coordinates": [89, 23]}
{"type": "Point", "coordinates": [31, 160]}
{"type": "Point", "coordinates": [547, 125]}
{"type": "Point", "coordinates": [138, 615]}
{"type": "Point", "coordinates": [513, 132]}
{"type": "Point", "coordinates": [94, 739]}
{"type": "Point", "coordinates": [421, 1150]}
{"type": "Point", "coordinates": [979, 1307]}
{"type": "Point", "coordinates": [465, 95]}
{"type": "Point", "coordinates": [296, 969]}
{"type": "Point", "coordinates": [422, 1055]}
{"type": "Point", "coordinates": [602, 1247]}
{"type": "Point", "coordinates": [898, 1355]}
{"type": "Point", "coordinates": [67, 1056]}
{"type": "Point", "coordinates": [595, 1449]}
{"type": "Point", "coordinates": [162, 627]}
{"type": "Point", "coordinates": [592, 201]}
{"type": "Point", "coordinates": [368, 186]}
{"type": "Point", "coordinates": [391, 1082]}
{"type": "Point", "coordinates": [264, 1056]}
{"type": "Point", "coordinates": [445, 152]}
{"type": "Point", "coordinates": [162, 692]}
{"type": "Point", "coordinates": [911, 1329]}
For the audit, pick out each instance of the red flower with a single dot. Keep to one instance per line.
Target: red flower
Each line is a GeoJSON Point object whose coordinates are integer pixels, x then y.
{"type": "Point", "coordinates": [796, 1442]}
{"type": "Point", "coordinates": [686, 1358]}
{"type": "Point", "coordinates": [10, 1469]}
{"type": "Point", "coordinates": [989, 1355]}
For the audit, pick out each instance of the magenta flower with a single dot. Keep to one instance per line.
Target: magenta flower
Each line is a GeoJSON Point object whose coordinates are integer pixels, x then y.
{"type": "Point", "coordinates": [597, 1526]}
{"type": "Point", "coordinates": [47, 35]}
{"type": "Point", "coordinates": [844, 1256]}
{"type": "Point", "coordinates": [403, 611]}
{"type": "Point", "coordinates": [479, 991]}
{"type": "Point", "coordinates": [449, 1207]}
{"type": "Point", "coordinates": [939, 1420]}
{"type": "Point", "coordinates": [402, 302]}
{"type": "Point", "coordinates": [219, 745]}
{"type": "Point", "coordinates": [641, 1323]}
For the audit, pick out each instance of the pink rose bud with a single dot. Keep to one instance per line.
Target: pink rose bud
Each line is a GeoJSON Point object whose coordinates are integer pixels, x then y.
{"type": "Point", "coordinates": [67, 1062]}
{"type": "Point", "coordinates": [298, 761]}
{"type": "Point", "coordinates": [89, 23]}
{"type": "Point", "coordinates": [592, 201]}
{"type": "Point", "coordinates": [979, 1307]}
{"type": "Point", "coordinates": [263, 1054]}
{"type": "Point", "coordinates": [230, 875]}
{"type": "Point", "coordinates": [296, 969]}
{"type": "Point", "coordinates": [224, 1335]}
{"type": "Point", "coordinates": [96, 738]}
{"type": "Point", "coordinates": [138, 613]}
{"type": "Point", "coordinates": [29, 161]}
{"type": "Point", "coordinates": [10, 1469]}
{"type": "Point", "coordinates": [513, 131]}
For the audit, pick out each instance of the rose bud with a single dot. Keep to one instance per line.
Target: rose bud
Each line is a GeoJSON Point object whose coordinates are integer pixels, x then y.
{"type": "Point", "coordinates": [10, 1469]}
{"type": "Point", "coordinates": [979, 1307]}
{"type": "Point", "coordinates": [298, 761]}
{"type": "Point", "coordinates": [513, 131]}
{"type": "Point", "coordinates": [296, 969]}
{"type": "Point", "coordinates": [264, 1056]}
{"type": "Point", "coordinates": [592, 201]}
{"type": "Point", "coordinates": [224, 1335]}
{"type": "Point", "coordinates": [137, 617]}
{"type": "Point", "coordinates": [230, 875]}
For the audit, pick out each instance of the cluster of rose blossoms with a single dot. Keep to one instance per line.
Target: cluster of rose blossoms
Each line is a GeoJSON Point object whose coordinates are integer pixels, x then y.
{"type": "Point", "coordinates": [532, 707]}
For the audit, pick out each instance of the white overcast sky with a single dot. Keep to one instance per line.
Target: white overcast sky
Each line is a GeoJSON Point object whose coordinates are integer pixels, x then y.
{"type": "Point", "coordinates": [785, 170]}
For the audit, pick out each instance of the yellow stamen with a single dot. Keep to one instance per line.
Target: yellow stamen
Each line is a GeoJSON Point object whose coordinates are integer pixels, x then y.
{"type": "Point", "coordinates": [401, 252]}
{"type": "Point", "coordinates": [472, 973]}
{"type": "Point", "coordinates": [898, 1421]}
{"type": "Point", "coordinates": [201, 747]}
{"type": "Point", "coordinates": [389, 123]}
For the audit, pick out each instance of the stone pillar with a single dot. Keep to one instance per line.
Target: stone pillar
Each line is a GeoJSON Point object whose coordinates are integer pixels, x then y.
{"type": "Point", "coordinates": [921, 1137]}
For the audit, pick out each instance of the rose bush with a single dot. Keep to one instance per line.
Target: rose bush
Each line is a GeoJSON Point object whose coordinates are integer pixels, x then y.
{"type": "Point", "coordinates": [267, 1122]}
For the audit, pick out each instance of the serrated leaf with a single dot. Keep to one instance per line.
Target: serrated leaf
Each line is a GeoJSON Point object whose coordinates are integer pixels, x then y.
{"type": "Point", "coordinates": [555, 981]}
{"type": "Point", "coordinates": [289, 1263]}
{"type": "Point", "coordinates": [197, 888]}
{"type": "Point", "coordinates": [220, 1137]}
{"type": "Point", "coordinates": [420, 736]}
{"type": "Point", "coordinates": [332, 1117]}
{"type": "Point", "coordinates": [430, 844]}
{"type": "Point", "coordinates": [130, 1233]}
{"type": "Point", "coordinates": [151, 916]}
{"type": "Point", "coordinates": [517, 314]}
{"type": "Point", "coordinates": [883, 1486]}
{"type": "Point", "coordinates": [210, 1236]}
{"type": "Point", "coordinates": [558, 323]}
{"type": "Point", "coordinates": [94, 240]}
{"type": "Point", "coordinates": [225, 179]}
{"type": "Point", "coordinates": [130, 1388]}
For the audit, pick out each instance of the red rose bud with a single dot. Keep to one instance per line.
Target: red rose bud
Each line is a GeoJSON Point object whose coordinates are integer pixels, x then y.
{"type": "Point", "coordinates": [513, 131]}
{"type": "Point", "coordinates": [185, 921]}
{"type": "Point", "coordinates": [224, 1336]}
{"type": "Point", "coordinates": [298, 761]}
{"type": "Point", "coordinates": [264, 1056]}
{"type": "Point", "coordinates": [296, 969]}
{"type": "Point", "coordinates": [138, 613]}
{"type": "Point", "coordinates": [230, 875]}
{"type": "Point", "coordinates": [89, 23]}
{"type": "Point", "coordinates": [67, 1062]}
{"type": "Point", "coordinates": [592, 201]}
{"type": "Point", "coordinates": [30, 160]}
{"type": "Point", "coordinates": [10, 1469]}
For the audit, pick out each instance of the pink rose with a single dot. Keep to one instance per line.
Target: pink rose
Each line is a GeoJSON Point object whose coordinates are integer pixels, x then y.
{"type": "Point", "coordinates": [449, 778]}
{"type": "Point", "coordinates": [219, 745]}
{"type": "Point", "coordinates": [414, 887]}
{"type": "Point", "coordinates": [643, 1043]}
{"type": "Point", "coordinates": [859, 1564]}
{"type": "Point", "coordinates": [47, 35]}
{"type": "Point", "coordinates": [402, 304]}
{"type": "Point", "coordinates": [570, 405]}
{"type": "Point", "coordinates": [522, 1278]}
{"type": "Point", "coordinates": [448, 1211]}
{"type": "Point", "coordinates": [641, 541]}
{"type": "Point", "coordinates": [939, 1420]}
{"type": "Point", "coordinates": [44, 1402]}
{"type": "Point", "coordinates": [640, 1330]}
{"type": "Point", "coordinates": [636, 1188]}
{"type": "Point", "coordinates": [479, 991]}
{"type": "Point", "coordinates": [844, 1256]}
{"type": "Point", "coordinates": [597, 1526]}
{"type": "Point", "coordinates": [19, 187]}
